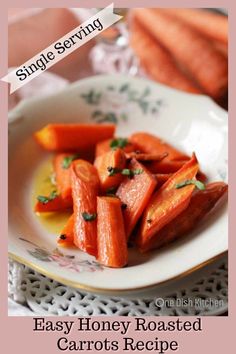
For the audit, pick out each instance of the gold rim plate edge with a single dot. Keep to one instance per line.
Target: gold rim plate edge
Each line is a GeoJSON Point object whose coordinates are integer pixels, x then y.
{"type": "Point", "coordinates": [89, 288]}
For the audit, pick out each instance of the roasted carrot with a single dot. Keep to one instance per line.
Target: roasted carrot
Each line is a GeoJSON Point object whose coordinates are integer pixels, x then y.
{"type": "Point", "coordinates": [151, 144]}
{"type": "Point", "coordinates": [73, 137]}
{"type": "Point", "coordinates": [145, 157]}
{"type": "Point", "coordinates": [211, 24]}
{"type": "Point", "coordinates": [200, 205]}
{"type": "Point", "coordinates": [157, 61]}
{"type": "Point", "coordinates": [198, 56]}
{"type": "Point", "coordinates": [66, 238]}
{"type": "Point", "coordinates": [165, 166]}
{"type": "Point", "coordinates": [61, 164]}
{"type": "Point", "coordinates": [106, 145]}
{"type": "Point", "coordinates": [109, 167]}
{"type": "Point", "coordinates": [135, 193]}
{"type": "Point", "coordinates": [111, 238]}
{"type": "Point", "coordinates": [168, 202]}
{"type": "Point", "coordinates": [222, 47]}
{"type": "Point", "coordinates": [47, 204]}
{"type": "Point", "coordinates": [162, 178]}
{"type": "Point", "coordinates": [85, 188]}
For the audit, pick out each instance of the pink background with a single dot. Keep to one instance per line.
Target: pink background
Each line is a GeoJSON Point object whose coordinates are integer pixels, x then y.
{"type": "Point", "coordinates": [16, 333]}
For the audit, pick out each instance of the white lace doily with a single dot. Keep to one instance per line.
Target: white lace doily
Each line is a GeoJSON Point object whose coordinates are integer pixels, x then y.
{"type": "Point", "coordinates": [202, 293]}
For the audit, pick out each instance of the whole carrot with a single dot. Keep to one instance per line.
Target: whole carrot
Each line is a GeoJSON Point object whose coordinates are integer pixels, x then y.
{"type": "Point", "coordinates": [73, 137]}
{"type": "Point", "coordinates": [207, 66]}
{"type": "Point", "coordinates": [168, 202]}
{"type": "Point", "coordinates": [200, 205]}
{"type": "Point", "coordinates": [85, 188]}
{"type": "Point", "coordinates": [209, 23]}
{"type": "Point", "coordinates": [157, 61]}
{"type": "Point", "coordinates": [111, 238]}
{"type": "Point", "coordinates": [135, 192]}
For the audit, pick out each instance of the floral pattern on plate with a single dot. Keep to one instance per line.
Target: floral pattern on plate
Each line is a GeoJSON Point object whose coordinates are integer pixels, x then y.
{"type": "Point", "coordinates": [66, 261]}
{"type": "Point", "coordinates": [115, 103]}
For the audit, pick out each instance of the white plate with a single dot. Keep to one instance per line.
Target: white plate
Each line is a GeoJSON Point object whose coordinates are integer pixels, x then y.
{"type": "Point", "coordinates": [189, 122]}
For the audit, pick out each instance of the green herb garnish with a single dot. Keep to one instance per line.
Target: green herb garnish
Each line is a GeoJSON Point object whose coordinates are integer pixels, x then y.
{"type": "Point", "coordinates": [137, 172]}
{"type": "Point", "coordinates": [131, 173]}
{"type": "Point", "coordinates": [125, 172]}
{"type": "Point", "coordinates": [66, 162]}
{"type": "Point", "coordinates": [198, 184]}
{"type": "Point", "coordinates": [43, 199]}
{"type": "Point", "coordinates": [113, 170]}
{"type": "Point", "coordinates": [88, 216]}
{"type": "Point", "coordinates": [119, 143]}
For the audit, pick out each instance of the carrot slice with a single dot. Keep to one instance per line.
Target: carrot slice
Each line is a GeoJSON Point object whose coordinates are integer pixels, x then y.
{"type": "Point", "coordinates": [62, 171]}
{"type": "Point", "coordinates": [105, 146]}
{"type": "Point", "coordinates": [66, 239]}
{"type": "Point", "coordinates": [109, 166]}
{"type": "Point", "coordinates": [111, 238]}
{"type": "Point", "coordinates": [151, 144]}
{"type": "Point", "coordinates": [56, 204]}
{"type": "Point", "coordinates": [162, 178]}
{"type": "Point", "coordinates": [168, 202]}
{"type": "Point", "coordinates": [85, 188]}
{"type": "Point", "coordinates": [200, 205]}
{"type": "Point", "coordinates": [146, 157]}
{"type": "Point", "coordinates": [135, 194]}
{"type": "Point", "coordinates": [165, 166]}
{"type": "Point", "coordinates": [73, 137]}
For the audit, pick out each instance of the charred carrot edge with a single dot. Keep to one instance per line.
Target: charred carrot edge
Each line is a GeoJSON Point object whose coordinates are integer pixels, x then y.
{"type": "Point", "coordinates": [157, 61]}
{"type": "Point", "coordinates": [201, 203]}
{"type": "Point", "coordinates": [73, 137]}
{"type": "Point", "coordinates": [105, 146]}
{"type": "Point", "coordinates": [168, 202]}
{"type": "Point", "coordinates": [85, 188]}
{"type": "Point", "coordinates": [66, 238]}
{"type": "Point", "coordinates": [135, 194]}
{"type": "Point", "coordinates": [111, 238]}
{"type": "Point", "coordinates": [57, 204]}
{"type": "Point", "coordinates": [109, 166]}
